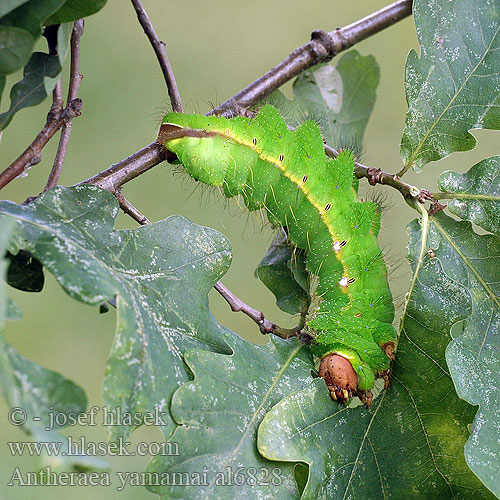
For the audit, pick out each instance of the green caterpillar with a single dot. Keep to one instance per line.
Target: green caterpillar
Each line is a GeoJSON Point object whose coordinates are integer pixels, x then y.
{"type": "Point", "coordinates": [288, 175]}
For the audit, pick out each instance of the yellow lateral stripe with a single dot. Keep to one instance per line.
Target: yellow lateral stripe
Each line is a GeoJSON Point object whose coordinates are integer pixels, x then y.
{"type": "Point", "coordinates": [226, 134]}
{"type": "Point", "coordinates": [298, 182]}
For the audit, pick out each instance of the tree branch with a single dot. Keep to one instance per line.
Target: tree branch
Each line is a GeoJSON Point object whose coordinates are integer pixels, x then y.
{"type": "Point", "coordinates": [377, 176]}
{"type": "Point", "coordinates": [322, 47]}
{"type": "Point", "coordinates": [57, 100]}
{"type": "Point", "coordinates": [161, 54]}
{"type": "Point", "coordinates": [57, 117]}
{"type": "Point", "coordinates": [74, 84]}
{"type": "Point", "coordinates": [130, 210]}
{"type": "Point", "coordinates": [265, 326]}
{"type": "Point", "coordinates": [124, 171]}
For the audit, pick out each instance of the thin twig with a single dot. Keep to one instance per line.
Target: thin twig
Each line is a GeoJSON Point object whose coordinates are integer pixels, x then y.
{"type": "Point", "coordinates": [265, 326]}
{"type": "Point", "coordinates": [322, 47]}
{"type": "Point", "coordinates": [74, 84]}
{"type": "Point", "coordinates": [57, 100]}
{"type": "Point", "coordinates": [75, 77]}
{"type": "Point", "coordinates": [130, 210]}
{"type": "Point", "coordinates": [161, 54]}
{"type": "Point", "coordinates": [377, 176]}
{"type": "Point", "coordinates": [31, 155]}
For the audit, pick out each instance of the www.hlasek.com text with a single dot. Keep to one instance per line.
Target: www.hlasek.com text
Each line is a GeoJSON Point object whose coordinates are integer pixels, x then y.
{"type": "Point", "coordinates": [71, 447]}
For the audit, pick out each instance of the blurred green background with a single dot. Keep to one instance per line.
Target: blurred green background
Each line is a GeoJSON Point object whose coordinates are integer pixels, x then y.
{"type": "Point", "coordinates": [215, 48]}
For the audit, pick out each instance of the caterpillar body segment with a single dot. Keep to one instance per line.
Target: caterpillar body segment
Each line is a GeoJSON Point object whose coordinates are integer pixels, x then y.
{"type": "Point", "coordinates": [287, 174]}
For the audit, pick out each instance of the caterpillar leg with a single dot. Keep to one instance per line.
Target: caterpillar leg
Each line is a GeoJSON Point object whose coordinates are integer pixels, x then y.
{"type": "Point", "coordinates": [366, 398]}
{"type": "Point", "coordinates": [388, 348]}
{"type": "Point", "coordinates": [387, 378]}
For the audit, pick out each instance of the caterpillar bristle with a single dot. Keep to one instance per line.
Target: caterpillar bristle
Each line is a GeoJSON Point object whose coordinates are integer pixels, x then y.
{"type": "Point", "coordinates": [160, 112]}
{"type": "Point", "coordinates": [381, 198]}
{"type": "Point", "coordinates": [321, 118]}
{"type": "Point", "coordinates": [213, 105]}
{"type": "Point", "coordinates": [281, 103]}
{"type": "Point", "coordinates": [350, 143]}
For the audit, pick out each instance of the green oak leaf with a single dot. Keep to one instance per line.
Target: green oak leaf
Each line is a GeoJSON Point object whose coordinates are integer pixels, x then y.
{"type": "Point", "coordinates": [35, 389]}
{"type": "Point", "coordinates": [32, 15]}
{"type": "Point", "coordinates": [39, 392]}
{"type": "Point", "coordinates": [39, 78]}
{"type": "Point", "coordinates": [76, 9]}
{"type": "Point", "coordinates": [218, 415]}
{"type": "Point", "coordinates": [20, 27]}
{"type": "Point", "coordinates": [16, 45]}
{"type": "Point", "coordinates": [282, 270]}
{"type": "Point", "coordinates": [454, 86]}
{"type": "Point", "coordinates": [475, 195]}
{"type": "Point", "coordinates": [160, 282]}
{"type": "Point", "coordinates": [340, 98]}
{"type": "Point", "coordinates": [9, 5]}
{"type": "Point", "coordinates": [473, 356]}
{"type": "Point", "coordinates": [410, 443]}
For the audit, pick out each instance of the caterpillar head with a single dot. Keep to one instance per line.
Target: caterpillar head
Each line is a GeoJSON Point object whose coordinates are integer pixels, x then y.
{"type": "Point", "coordinates": [339, 376]}
{"type": "Point", "coordinates": [166, 132]}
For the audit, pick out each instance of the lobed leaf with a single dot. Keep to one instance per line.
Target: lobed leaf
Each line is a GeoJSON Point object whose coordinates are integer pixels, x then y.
{"type": "Point", "coordinates": [31, 16]}
{"type": "Point", "coordinates": [455, 84]}
{"type": "Point", "coordinates": [160, 283]}
{"type": "Point", "coordinates": [35, 389]}
{"type": "Point", "coordinates": [218, 414]}
{"type": "Point", "coordinates": [473, 356]}
{"type": "Point", "coordinates": [340, 98]}
{"type": "Point", "coordinates": [20, 28]}
{"type": "Point", "coordinates": [21, 24]}
{"type": "Point", "coordinates": [475, 195]}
